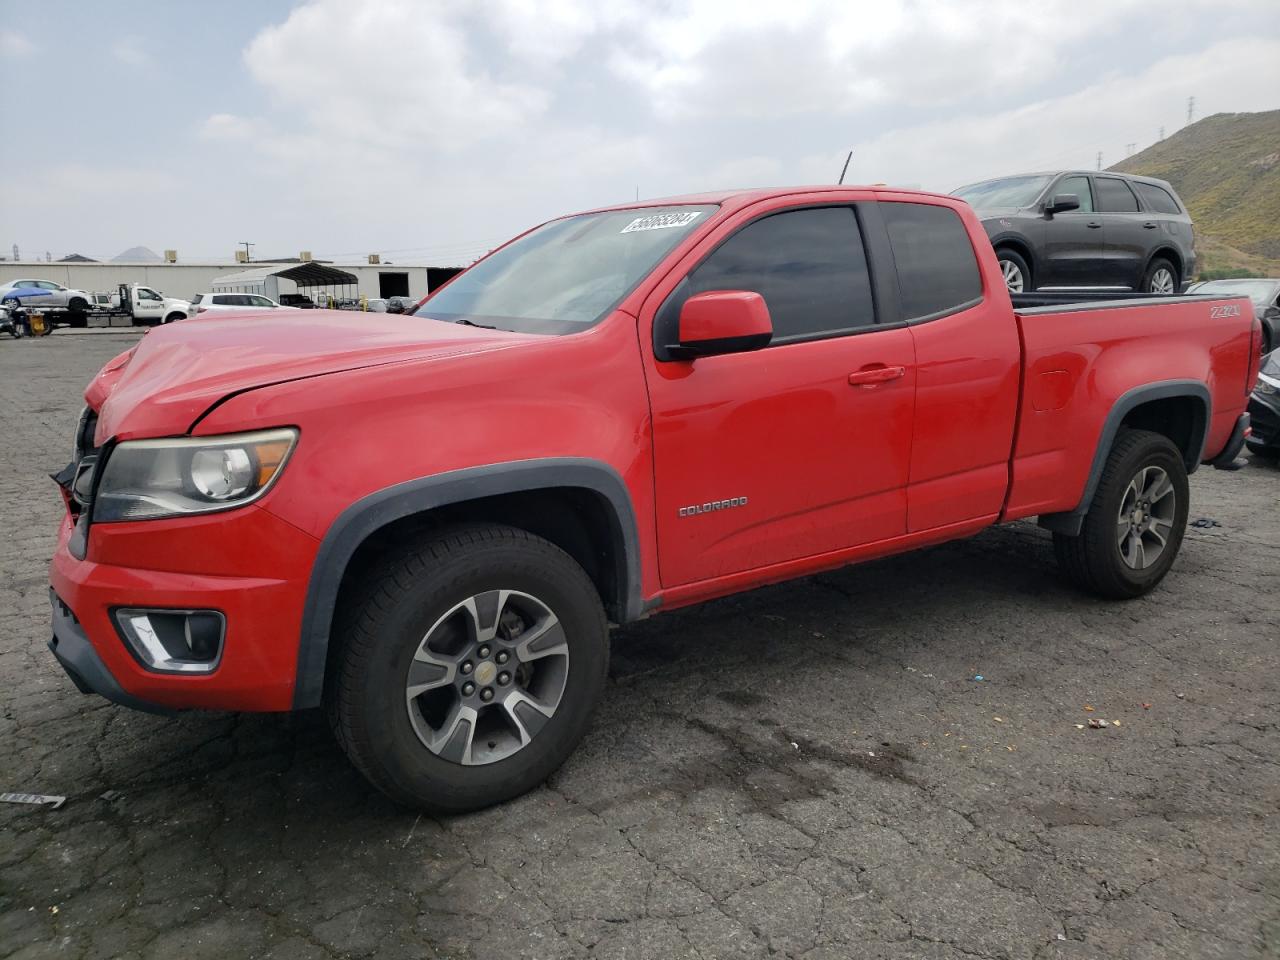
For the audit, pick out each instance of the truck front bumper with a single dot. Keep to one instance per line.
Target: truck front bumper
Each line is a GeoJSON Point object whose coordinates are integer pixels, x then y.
{"type": "Point", "coordinates": [262, 607]}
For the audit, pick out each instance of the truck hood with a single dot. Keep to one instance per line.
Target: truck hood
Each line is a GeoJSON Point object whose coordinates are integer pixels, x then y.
{"type": "Point", "coordinates": [179, 370]}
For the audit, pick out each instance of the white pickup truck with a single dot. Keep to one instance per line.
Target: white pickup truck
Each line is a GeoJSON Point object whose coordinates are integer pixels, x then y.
{"type": "Point", "coordinates": [143, 305]}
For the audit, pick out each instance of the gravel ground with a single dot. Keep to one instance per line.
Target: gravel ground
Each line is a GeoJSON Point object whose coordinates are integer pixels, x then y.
{"type": "Point", "coordinates": [809, 770]}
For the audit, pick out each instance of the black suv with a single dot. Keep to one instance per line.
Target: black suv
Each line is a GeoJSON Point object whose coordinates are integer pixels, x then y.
{"type": "Point", "coordinates": [1085, 230]}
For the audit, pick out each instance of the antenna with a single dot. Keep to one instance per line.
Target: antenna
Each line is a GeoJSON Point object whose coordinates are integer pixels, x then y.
{"type": "Point", "coordinates": [846, 168]}
{"type": "Point", "coordinates": [1191, 108]}
{"type": "Point", "coordinates": [1162, 133]}
{"type": "Point", "coordinates": [15, 252]}
{"type": "Point", "coordinates": [1129, 148]}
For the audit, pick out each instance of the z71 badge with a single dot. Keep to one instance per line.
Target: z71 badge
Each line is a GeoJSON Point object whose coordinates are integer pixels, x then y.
{"type": "Point", "coordinates": [1230, 310]}
{"type": "Point", "coordinates": [713, 505]}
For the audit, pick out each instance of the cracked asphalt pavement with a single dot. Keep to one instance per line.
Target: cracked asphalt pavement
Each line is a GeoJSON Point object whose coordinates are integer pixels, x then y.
{"type": "Point", "coordinates": [808, 770]}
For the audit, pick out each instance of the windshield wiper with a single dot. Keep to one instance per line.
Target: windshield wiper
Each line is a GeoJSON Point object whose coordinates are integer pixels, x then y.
{"type": "Point", "coordinates": [471, 323]}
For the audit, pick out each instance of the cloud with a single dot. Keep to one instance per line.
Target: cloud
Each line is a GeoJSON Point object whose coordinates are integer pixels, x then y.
{"type": "Point", "coordinates": [393, 70]}
{"type": "Point", "coordinates": [1070, 131]}
{"type": "Point", "coordinates": [14, 44]}
{"type": "Point", "coordinates": [128, 50]}
{"type": "Point", "coordinates": [763, 61]}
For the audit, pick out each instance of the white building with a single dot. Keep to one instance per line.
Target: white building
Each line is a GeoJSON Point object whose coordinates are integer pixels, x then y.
{"type": "Point", "coordinates": [185, 280]}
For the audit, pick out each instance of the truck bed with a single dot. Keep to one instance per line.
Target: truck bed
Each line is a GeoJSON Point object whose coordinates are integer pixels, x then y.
{"type": "Point", "coordinates": [1083, 353]}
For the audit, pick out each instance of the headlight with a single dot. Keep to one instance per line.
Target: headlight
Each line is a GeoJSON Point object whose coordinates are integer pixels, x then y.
{"type": "Point", "coordinates": [1266, 386]}
{"type": "Point", "coordinates": [146, 479]}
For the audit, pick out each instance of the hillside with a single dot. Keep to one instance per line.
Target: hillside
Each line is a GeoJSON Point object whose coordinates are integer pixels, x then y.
{"type": "Point", "coordinates": [1226, 168]}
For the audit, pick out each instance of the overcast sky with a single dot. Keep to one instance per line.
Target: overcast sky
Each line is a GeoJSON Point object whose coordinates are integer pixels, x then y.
{"type": "Point", "coordinates": [430, 130]}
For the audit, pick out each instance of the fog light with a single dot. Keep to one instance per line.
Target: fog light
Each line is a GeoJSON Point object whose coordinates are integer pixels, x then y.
{"type": "Point", "coordinates": [174, 641]}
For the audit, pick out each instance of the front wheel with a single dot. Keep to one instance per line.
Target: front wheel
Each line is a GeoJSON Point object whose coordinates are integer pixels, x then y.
{"type": "Point", "coordinates": [1161, 278]}
{"type": "Point", "coordinates": [1135, 522]}
{"type": "Point", "coordinates": [468, 668]}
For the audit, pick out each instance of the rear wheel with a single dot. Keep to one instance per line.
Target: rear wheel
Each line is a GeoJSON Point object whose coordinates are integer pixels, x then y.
{"type": "Point", "coordinates": [1161, 278]}
{"type": "Point", "coordinates": [1135, 523]}
{"type": "Point", "coordinates": [175, 316]}
{"type": "Point", "coordinates": [1017, 274]}
{"type": "Point", "coordinates": [469, 668]}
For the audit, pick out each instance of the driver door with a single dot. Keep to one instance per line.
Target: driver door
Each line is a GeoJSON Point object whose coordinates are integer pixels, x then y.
{"type": "Point", "coordinates": [1074, 240]}
{"type": "Point", "coordinates": [797, 449]}
{"type": "Point", "coordinates": [147, 304]}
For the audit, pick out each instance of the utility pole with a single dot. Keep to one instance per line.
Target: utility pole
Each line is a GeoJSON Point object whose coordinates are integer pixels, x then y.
{"type": "Point", "coordinates": [246, 244]}
{"type": "Point", "coordinates": [1099, 159]}
{"type": "Point", "coordinates": [1191, 108]}
{"type": "Point", "coordinates": [16, 255]}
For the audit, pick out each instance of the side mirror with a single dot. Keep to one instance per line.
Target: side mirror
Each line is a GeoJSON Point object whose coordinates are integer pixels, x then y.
{"type": "Point", "coordinates": [1062, 202]}
{"type": "Point", "coordinates": [722, 321]}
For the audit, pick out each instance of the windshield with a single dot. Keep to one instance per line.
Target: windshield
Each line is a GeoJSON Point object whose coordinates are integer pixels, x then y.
{"type": "Point", "coordinates": [565, 275]}
{"type": "Point", "coordinates": [1006, 192]}
{"type": "Point", "coordinates": [1259, 291]}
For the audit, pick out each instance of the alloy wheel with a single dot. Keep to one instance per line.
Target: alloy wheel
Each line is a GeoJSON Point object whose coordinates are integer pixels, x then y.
{"type": "Point", "coordinates": [1161, 282]}
{"type": "Point", "coordinates": [1146, 516]}
{"type": "Point", "coordinates": [487, 677]}
{"type": "Point", "coordinates": [1012, 275]}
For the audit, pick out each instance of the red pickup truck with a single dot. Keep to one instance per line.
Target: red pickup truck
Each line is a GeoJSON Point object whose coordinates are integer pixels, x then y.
{"type": "Point", "coordinates": [426, 523]}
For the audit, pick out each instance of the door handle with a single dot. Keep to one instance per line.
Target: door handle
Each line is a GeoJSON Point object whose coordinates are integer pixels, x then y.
{"type": "Point", "coordinates": [1149, 225]}
{"type": "Point", "coordinates": [876, 375]}
{"type": "Point", "coordinates": [1093, 224]}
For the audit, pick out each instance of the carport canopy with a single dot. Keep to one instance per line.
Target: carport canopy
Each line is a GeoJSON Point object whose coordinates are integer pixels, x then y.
{"type": "Point", "coordinates": [307, 277]}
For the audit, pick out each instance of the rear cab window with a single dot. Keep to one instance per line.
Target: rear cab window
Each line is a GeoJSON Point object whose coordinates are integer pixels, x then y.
{"type": "Point", "coordinates": [937, 268]}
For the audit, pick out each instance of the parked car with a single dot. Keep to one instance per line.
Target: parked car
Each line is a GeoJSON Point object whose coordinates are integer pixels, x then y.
{"type": "Point", "coordinates": [239, 302]}
{"type": "Point", "coordinates": [1086, 230]}
{"type": "Point", "coordinates": [681, 400]}
{"type": "Point", "coordinates": [299, 300]}
{"type": "Point", "coordinates": [1264, 409]}
{"type": "Point", "coordinates": [44, 293]}
{"type": "Point", "coordinates": [401, 304]}
{"type": "Point", "coordinates": [1265, 295]}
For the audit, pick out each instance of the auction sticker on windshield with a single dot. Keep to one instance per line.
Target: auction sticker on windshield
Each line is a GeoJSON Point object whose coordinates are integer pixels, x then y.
{"type": "Point", "coordinates": [662, 221]}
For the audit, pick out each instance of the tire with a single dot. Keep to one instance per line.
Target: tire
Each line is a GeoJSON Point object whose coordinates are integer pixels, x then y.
{"type": "Point", "coordinates": [1095, 559]}
{"type": "Point", "coordinates": [1161, 278]}
{"type": "Point", "coordinates": [389, 628]}
{"type": "Point", "coordinates": [78, 305]}
{"type": "Point", "coordinates": [1266, 453]}
{"type": "Point", "coordinates": [175, 316]}
{"type": "Point", "coordinates": [1015, 270]}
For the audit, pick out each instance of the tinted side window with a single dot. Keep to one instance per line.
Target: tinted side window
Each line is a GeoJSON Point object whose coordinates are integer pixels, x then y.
{"type": "Point", "coordinates": [1157, 198]}
{"type": "Point", "coordinates": [1080, 187]}
{"type": "Point", "coordinates": [809, 265]}
{"type": "Point", "coordinates": [937, 270]}
{"type": "Point", "coordinates": [1114, 196]}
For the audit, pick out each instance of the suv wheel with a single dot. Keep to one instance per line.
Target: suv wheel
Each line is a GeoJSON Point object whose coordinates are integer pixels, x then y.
{"type": "Point", "coordinates": [1135, 523]}
{"type": "Point", "coordinates": [1017, 275]}
{"type": "Point", "coordinates": [469, 668]}
{"type": "Point", "coordinates": [1161, 278]}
